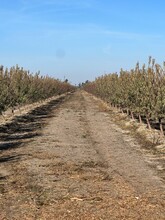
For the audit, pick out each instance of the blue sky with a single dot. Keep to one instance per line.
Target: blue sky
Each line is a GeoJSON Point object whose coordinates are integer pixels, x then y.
{"type": "Point", "coordinates": [81, 39]}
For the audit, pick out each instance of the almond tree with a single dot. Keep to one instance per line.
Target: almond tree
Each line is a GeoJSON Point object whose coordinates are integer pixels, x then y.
{"type": "Point", "coordinates": [140, 91]}
{"type": "Point", "coordinates": [18, 86]}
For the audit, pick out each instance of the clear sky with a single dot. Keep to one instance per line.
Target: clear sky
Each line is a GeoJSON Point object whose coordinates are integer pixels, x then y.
{"type": "Point", "coordinates": [81, 39]}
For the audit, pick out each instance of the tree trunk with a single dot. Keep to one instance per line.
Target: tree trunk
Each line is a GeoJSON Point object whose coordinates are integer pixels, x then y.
{"type": "Point", "coordinates": [148, 124]}
{"type": "Point", "coordinates": [12, 110]}
{"type": "Point", "coordinates": [140, 119]}
{"type": "Point", "coordinates": [132, 116]}
{"type": "Point", "coordinates": [127, 111]}
{"type": "Point", "coordinates": [161, 127]}
{"type": "Point", "coordinates": [19, 109]}
{"type": "Point", "coordinates": [121, 110]}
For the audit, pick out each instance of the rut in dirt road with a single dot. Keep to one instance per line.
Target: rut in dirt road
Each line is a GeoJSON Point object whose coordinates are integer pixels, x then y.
{"type": "Point", "coordinates": [80, 166]}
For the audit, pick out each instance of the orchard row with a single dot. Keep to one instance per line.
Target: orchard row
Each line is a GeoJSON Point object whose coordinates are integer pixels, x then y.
{"type": "Point", "coordinates": [19, 87]}
{"type": "Point", "coordinates": [140, 91]}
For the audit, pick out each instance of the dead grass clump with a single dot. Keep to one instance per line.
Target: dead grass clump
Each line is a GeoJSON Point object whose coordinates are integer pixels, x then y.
{"type": "Point", "coordinates": [103, 106]}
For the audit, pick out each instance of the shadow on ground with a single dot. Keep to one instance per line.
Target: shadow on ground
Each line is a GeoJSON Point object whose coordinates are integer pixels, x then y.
{"type": "Point", "coordinates": [22, 128]}
{"type": "Point", "coordinates": [9, 158]}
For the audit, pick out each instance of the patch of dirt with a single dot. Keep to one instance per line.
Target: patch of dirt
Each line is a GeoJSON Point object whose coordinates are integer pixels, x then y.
{"type": "Point", "coordinates": [78, 165]}
{"type": "Point", "coordinates": [151, 142]}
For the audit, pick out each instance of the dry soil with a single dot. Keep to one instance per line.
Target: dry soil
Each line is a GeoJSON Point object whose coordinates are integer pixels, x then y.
{"type": "Point", "coordinates": [69, 160]}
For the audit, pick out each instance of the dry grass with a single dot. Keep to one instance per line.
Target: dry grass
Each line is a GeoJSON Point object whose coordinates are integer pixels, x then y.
{"type": "Point", "coordinates": [146, 138]}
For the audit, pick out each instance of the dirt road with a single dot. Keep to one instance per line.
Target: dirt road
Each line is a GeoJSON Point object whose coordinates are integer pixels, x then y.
{"type": "Point", "coordinates": [68, 160]}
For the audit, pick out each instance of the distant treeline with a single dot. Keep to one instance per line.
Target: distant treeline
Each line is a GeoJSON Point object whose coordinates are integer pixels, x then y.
{"type": "Point", "coordinates": [139, 92]}
{"type": "Point", "coordinates": [18, 87]}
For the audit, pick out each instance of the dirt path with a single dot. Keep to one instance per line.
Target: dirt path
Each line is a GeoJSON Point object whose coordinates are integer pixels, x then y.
{"type": "Point", "coordinates": [70, 161]}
